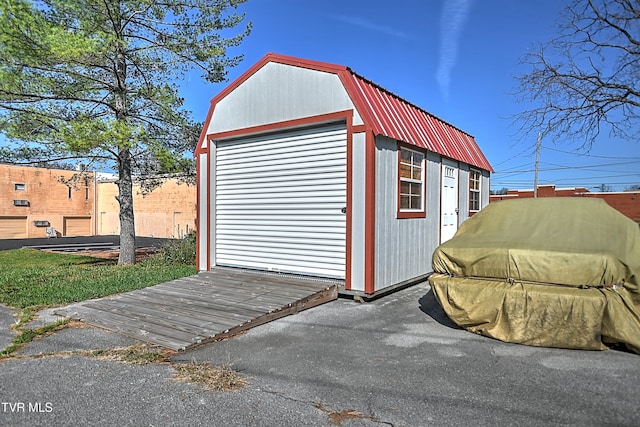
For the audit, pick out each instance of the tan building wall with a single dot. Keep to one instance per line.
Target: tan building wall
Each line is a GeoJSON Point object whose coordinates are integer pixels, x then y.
{"type": "Point", "coordinates": [168, 211]}
{"type": "Point", "coordinates": [32, 198]}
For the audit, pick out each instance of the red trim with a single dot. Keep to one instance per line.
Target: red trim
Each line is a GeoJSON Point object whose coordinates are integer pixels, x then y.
{"type": "Point", "coordinates": [357, 98]}
{"type": "Point", "coordinates": [458, 195]}
{"type": "Point", "coordinates": [208, 265]}
{"type": "Point", "coordinates": [370, 214]}
{"type": "Point", "coordinates": [400, 214]}
{"type": "Point", "coordinates": [359, 128]}
{"type": "Point", "coordinates": [411, 214]}
{"type": "Point", "coordinates": [304, 63]}
{"type": "Point", "coordinates": [269, 57]}
{"type": "Point", "coordinates": [384, 112]}
{"type": "Point", "coordinates": [203, 133]}
{"type": "Point", "coordinates": [198, 189]}
{"type": "Point", "coordinates": [441, 180]}
{"type": "Point", "coordinates": [349, 242]}
{"type": "Point", "coordinates": [271, 127]}
{"type": "Point", "coordinates": [347, 117]}
{"type": "Point", "coordinates": [388, 114]}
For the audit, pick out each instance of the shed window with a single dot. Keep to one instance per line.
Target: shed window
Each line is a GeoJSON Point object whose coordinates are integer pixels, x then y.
{"type": "Point", "coordinates": [410, 184]}
{"type": "Point", "coordinates": [474, 191]}
{"type": "Point", "coordinates": [19, 187]}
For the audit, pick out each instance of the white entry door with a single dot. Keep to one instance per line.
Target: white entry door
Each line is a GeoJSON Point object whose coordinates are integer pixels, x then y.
{"type": "Point", "coordinates": [449, 214]}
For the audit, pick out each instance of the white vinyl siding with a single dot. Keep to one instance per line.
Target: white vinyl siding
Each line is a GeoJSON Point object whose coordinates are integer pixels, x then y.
{"type": "Point", "coordinates": [203, 211]}
{"type": "Point", "coordinates": [278, 202]}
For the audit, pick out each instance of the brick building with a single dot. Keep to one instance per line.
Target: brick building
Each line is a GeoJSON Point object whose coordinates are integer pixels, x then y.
{"type": "Point", "coordinates": [626, 202]}
{"type": "Point", "coordinates": [34, 200]}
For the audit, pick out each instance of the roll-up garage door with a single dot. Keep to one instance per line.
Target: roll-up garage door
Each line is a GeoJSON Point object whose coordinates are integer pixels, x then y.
{"type": "Point", "coordinates": [279, 202]}
{"type": "Point", "coordinates": [77, 226]}
{"type": "Point", "coordinates": [13, 227]}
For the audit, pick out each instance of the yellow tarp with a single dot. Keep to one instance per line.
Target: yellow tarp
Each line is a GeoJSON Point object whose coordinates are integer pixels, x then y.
{"type": "Point", "coordinates": [556, 272]}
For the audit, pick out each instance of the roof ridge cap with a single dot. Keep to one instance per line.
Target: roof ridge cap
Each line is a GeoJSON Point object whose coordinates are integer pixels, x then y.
{"type": "Point", "coordinates": [382, 88]}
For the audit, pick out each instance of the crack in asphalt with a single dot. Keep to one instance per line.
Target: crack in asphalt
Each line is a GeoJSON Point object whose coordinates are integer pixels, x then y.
{"type": "Point", "coordinates": [335, 417]}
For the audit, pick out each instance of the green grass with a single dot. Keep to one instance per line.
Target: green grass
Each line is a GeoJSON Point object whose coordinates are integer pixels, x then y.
{"type": "Point", "coordinates": [26, 336]}
{"type": "Point", "coordinates": [31, 278]}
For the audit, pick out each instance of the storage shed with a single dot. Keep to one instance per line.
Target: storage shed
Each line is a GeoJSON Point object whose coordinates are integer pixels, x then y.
{"type": "Point", "coordinates": [306, 167]}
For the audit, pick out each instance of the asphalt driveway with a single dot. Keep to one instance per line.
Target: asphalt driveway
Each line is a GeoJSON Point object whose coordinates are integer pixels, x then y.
{"type": "Point", "coordinates": [395, 361]}
{"type": "Point", "coordinates": [141, 242]}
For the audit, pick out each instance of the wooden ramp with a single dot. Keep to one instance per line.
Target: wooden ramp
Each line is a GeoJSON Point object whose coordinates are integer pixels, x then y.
{"type": "Point", "coordinates": [206, 307]}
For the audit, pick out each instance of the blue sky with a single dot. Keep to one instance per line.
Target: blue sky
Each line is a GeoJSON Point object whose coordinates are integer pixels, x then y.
{"type": "Point", "coordinates": [463, 72]}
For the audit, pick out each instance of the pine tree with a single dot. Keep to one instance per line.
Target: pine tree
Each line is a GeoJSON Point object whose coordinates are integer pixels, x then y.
{"type": "Point", "coordinates": [96, 80]}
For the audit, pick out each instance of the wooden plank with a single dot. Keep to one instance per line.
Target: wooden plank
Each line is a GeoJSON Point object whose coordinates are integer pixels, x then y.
{"type": "Point", "coordinates": [209, 306]}
{"type": "Point", "coordinates": [198, 311]}
{"type": "Point", "coordinates": [239, 296]}
{"type": "Point", "coordinates": [265, 278]}
{"type": "Point", "coordinates": [251, 303]}
{"type": "Point", "coordinates": [144, 323]}
{"type": "Point", "coordinates": [124, 327]}
{"type": "Point", "coordinates": [268, 292]}
{"type": "Point", "coordinates": [179, 322]}
{"type": "Point", "coordinates": [313, 300]}
{"type": "Point", "coordinates": [255, 286]}
{"type": "Point", "coordinates": [213, 314]}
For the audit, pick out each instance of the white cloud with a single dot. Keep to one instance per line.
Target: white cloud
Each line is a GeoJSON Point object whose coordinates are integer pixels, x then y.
{"type": "Point", "coordinates": [452, 20]}
{"type": "Point", "coordinates": [368, 25]}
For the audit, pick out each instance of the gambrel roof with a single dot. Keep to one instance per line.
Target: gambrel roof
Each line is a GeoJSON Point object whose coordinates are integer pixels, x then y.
{"type": "Point", "coordinates": [383, 112]}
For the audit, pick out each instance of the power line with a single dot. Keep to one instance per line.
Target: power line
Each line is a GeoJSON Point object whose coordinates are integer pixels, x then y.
{"type": "Point", "coordinates": [513, 157]}
{"type": "Point", "coordinates": [562, 167]}
{"type": "Point", "coordinates": [589, 155]}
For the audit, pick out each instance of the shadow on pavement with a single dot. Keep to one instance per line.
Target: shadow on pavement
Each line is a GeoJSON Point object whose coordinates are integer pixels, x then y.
{"type": "Point", "coordinates": [430, 306]}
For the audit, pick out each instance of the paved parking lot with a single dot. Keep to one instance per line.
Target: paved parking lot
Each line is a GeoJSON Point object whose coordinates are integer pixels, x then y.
{"type": "Point", "coordinates": [396, 361]}
{"type": "Point", "coordinates": [141, 242]}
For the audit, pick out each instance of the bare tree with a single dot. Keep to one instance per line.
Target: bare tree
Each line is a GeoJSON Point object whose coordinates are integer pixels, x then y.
{"type": "Point", "coordinates": [587, 79]}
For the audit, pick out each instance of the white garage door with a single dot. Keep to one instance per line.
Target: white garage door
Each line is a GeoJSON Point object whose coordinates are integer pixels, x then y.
{"type": "Point", "coordinates": [279, 201]}
{"type": "Point", "coordinates": [13, 227]}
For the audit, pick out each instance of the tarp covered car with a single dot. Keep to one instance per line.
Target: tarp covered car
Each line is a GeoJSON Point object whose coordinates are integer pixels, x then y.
{"type": "Point", "coordinates": [553, 272]}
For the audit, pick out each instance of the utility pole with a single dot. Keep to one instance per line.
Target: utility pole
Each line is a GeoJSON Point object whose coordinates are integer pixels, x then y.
{"type": "Point", "coordinates": [535, 175]}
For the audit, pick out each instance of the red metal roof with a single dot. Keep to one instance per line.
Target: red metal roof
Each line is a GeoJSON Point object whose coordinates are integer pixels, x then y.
{"type": "Point", "coordinates": [383, 112]}
{"type": "Point", "coordinates": [388, 114]}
